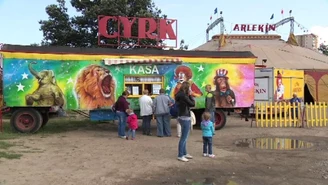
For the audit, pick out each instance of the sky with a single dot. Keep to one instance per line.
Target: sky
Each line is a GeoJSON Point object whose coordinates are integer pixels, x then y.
{"type": "Point", "coordinates": [19, 18]}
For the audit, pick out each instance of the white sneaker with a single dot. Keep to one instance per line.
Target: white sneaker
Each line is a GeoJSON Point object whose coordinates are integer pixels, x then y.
{"type": "Point", "coordinates": [123, 137]}
{"type": "Point", "coordinates": [205, 155]}
{"type": "Point", "coordinates": [183, 159]}
{"type": "Point", "coordinates": [188, 156]}
{"type": "Point", "coordinates": [211, 156]}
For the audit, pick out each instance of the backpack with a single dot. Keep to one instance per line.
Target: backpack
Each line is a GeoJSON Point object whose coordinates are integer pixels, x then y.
{"type": "Point", "coordinates": [174, 110]}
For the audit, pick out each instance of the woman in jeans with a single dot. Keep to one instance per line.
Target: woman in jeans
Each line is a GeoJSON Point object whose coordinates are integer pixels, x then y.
{"type": "Point", "coordinates": [184, 101]}
{"type": "Point", "coordinates": [121, 106]}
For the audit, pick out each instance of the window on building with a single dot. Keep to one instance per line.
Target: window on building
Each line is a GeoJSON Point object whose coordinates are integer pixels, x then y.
{"type": "Point", "coordinates": [136, 84]}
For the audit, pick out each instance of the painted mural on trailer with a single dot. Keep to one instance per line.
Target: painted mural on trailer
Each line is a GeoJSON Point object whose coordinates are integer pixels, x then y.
{"type": "Point", "coordinates": [91, 84]}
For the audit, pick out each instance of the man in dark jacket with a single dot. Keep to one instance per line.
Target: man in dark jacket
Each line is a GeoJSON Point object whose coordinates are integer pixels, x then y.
{"type": "Point", "coordinates": [210, 102]}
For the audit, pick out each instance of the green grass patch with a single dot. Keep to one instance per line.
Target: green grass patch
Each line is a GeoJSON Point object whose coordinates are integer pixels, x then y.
{"type": "Point", "coordinates": [8, 132]}
{"type": "Point", "coordinates": [5, 145]}
{"type": "Point", "coordinates": [54, 126]}
{"type": "Point", "coordinates": [60, 125]}
{"type": "Point", "coordinates": [9, 155]}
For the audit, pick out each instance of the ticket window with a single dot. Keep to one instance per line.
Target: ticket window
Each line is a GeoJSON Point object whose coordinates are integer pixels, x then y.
{"type": "Point", "coordinates": [136, 84]}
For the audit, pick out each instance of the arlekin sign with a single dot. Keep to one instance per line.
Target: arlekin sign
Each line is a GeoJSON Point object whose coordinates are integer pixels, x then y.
{"type": "Point", "coordinates": [118, 28]}
{"type": "Point", "coordinates": [254, 27]}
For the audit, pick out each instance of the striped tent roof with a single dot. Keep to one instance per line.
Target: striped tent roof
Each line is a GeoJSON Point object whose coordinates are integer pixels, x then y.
{"type": "Point", "coordinates": [116, 61]}
{"type": "Point", "coordinates": [278, 53]}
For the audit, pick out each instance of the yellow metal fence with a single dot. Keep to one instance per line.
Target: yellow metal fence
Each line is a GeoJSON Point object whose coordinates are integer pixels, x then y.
{"type": "Point", "coordinates": [284, 114]}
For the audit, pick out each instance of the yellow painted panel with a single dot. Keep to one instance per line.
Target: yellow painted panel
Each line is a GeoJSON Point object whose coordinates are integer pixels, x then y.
{"type": "Point", "coordinates": [292, 82]}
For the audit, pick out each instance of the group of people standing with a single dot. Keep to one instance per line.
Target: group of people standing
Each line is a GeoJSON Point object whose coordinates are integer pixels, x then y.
{"type": "Point", "coordinates": [160, 108]}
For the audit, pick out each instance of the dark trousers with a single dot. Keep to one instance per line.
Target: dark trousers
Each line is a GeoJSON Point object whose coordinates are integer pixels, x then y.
{"type": "Point", "coordinates": [292, 113]}
{"type": "Point", "coordinates": [207, 145]}
{"type": "Point", "coordinates": [146, 124]}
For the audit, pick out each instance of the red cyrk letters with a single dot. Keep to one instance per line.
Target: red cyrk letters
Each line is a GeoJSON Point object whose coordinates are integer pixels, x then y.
{"type": "Point", "coordinates": [147, 27]}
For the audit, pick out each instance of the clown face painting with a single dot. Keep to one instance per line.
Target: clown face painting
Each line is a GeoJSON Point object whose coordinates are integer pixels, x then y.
{"type": "Point", "coordinates": [279, 94]}
{"type": "Point", "coordinates": [225, 97]}
{"type": "Point", "coordinates": [184, 74]}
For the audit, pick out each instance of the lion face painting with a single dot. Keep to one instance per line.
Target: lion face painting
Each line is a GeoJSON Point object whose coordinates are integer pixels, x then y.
{"type": "Point", "coordinates": [95, 87]}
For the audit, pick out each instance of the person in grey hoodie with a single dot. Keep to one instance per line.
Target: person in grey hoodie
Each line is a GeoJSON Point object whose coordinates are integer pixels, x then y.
{"type": "Point", "coordinates": [161, 106]}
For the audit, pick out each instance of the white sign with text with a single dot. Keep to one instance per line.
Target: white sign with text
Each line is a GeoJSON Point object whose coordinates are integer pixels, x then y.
{"type": "Point", "coordinates": [261, 88]}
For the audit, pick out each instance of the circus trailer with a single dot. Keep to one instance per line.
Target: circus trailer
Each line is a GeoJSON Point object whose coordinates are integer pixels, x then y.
{"type": "Point", "coordinates": [277, 84]}
{"type": "Point", "coordinates": [40, 81]}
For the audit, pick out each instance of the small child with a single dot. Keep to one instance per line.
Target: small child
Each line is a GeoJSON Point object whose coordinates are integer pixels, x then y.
{"type": "Point", "coordinates": [208, 133]}
{"type": "Point", "coordinates": [133, 124]}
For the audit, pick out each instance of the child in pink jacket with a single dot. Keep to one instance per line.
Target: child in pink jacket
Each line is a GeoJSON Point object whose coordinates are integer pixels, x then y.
{"type": "Point", "coordinates": [132, 123]}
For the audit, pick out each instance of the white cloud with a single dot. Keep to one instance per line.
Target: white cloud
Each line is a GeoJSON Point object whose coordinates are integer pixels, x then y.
{"type": "Point", "coordinates": [322, 33]}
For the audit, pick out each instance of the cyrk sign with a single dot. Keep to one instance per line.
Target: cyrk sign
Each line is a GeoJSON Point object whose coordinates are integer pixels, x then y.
{"type": "Point", "coordinates": [116, 27]}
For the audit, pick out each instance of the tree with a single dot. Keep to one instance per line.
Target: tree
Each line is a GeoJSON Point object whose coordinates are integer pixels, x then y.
{"type": "Point", "coordinates": [324, 49]}
{"type": "Point", "coordinates": [183, 46]}
{"type": "Point", "coordinates": [58, 29]}
{"type": "Point", "coordinates": [81, 31]}
{"type": "Point", "coordinates": [34, 44]}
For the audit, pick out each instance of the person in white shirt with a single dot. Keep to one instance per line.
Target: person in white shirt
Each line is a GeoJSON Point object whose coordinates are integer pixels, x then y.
{"type": "Point", "coordinates": [146, 111]}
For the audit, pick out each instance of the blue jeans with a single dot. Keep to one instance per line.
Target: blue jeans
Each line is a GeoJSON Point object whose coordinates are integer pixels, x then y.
{"type": "Point", "coordinates": [207, 144]}
{"type": "Point", "coordinates": [132, 132]}
{"type": "Point", "coordinates": [185, 128]}
{"type": "Point", "coordinates": [121, 123]}
{"type": "Point", "coordinates": [146, 124]}
{"type": "Point", "coordinates": [163, 125]}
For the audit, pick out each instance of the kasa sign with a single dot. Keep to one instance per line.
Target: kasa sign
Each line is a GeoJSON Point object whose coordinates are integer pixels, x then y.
{"type": "Point", "coordinates": [117, 28]}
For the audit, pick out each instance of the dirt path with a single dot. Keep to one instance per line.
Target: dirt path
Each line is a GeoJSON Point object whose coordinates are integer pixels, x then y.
{"type": "Point", "coordinates": [95, 156]}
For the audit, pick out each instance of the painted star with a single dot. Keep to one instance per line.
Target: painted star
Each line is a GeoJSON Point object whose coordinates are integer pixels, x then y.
{"type": "Point", "coordinates": [203, 84]}
{"type": "Point", "coordinates": [20, 87]}
{"type": "Point", "coordinates": [25, 76]}
{"type": "Point", "coordinates": [70, 80]}
{"type": "Point", "coordinates": [117, 68]}
{"type": "Point", "coordinates": [168, 88]}
{"type": "Point", "coordinates": [200, 68]}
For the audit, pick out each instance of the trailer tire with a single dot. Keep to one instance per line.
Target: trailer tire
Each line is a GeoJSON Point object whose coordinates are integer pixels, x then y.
{"type": "Point", "coordinates": [45, 119]}
{"type": "Point", "coordinates": [220, 119]}
{"type": "Point", "coordinates": [26, 120]}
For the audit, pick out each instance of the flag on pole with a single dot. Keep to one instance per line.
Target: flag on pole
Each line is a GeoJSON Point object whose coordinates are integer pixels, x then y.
{"type": "Point", "coordinates": [282, 11]}
{"type": "Point", "coordinates": [215, 11]}
{"type": "Point", "coordinates": [211, 18]}
{"type": "Point", "coordinates": [272, 16]}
